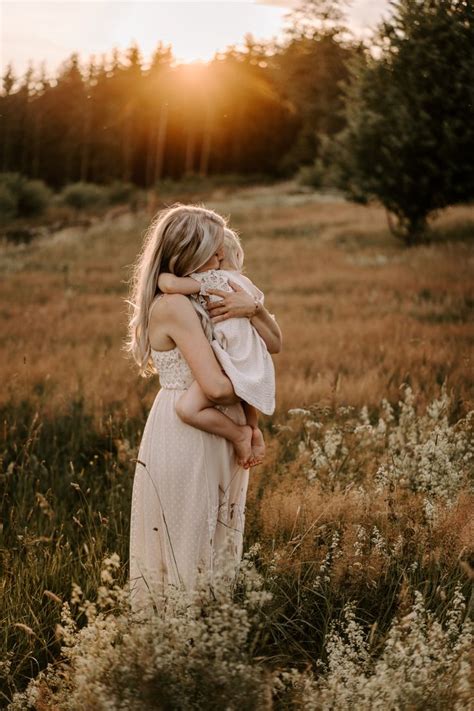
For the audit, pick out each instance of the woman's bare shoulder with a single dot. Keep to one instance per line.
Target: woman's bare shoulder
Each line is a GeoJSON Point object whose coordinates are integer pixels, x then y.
{"type": "Point", "coordinates": [170, 307]}
{"type": "Point", "coordinates": [168, 303]}
{"type": "Point", "coordinates": [166, 313]}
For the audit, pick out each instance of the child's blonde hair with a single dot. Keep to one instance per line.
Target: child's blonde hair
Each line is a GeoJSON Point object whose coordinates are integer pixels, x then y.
{"type": "Point", "coordinates": [180, 239]}
{"type": "Point", "coordinates": [233, 252]}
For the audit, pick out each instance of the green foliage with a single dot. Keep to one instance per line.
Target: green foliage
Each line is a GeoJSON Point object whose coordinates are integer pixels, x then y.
{"type": "Point", "coordinates": [322, 173]}
{"type": "Point", "coordinates": [190, 184]}
{"type": "Point", "coordinates": [312, 175]}
{"type": "Point", "coordinates": [20, 197]}
{"type": "Point", "coordinates": [12, 181]}
{"type": "Point", "coordinates": [120, 192]}
{"type": "Point", "coordinates": [83, 195]}
{"type": "Point", "coordinates": [119, 120]}
{"type": "Point", "coordinates": [34, 198]}
{"type": "Point", "coordinates": [409, 139]}
{"type": "Point", "coordinates": [8, 204]}
{"type": "Point", "coordinates": [309, 71]}
{"type": "Point", "coordinates": [62, 489]}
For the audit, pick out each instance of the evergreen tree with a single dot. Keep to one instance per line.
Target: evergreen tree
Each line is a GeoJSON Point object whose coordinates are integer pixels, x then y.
{"type": "Point", "coordinates": [409, 139]}
{"type": "Point", "coordinates": [308, 68]}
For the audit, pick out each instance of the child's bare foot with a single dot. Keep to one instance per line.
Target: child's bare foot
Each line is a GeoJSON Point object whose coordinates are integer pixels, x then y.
{"type": "Point", "coordinates": [242, 446]}
{"type": "Point", "coordinates": [258, 447]}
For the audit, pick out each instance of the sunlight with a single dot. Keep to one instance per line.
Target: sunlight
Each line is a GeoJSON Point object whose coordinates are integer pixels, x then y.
{"type": "Point", "coordinates": [196, 30]}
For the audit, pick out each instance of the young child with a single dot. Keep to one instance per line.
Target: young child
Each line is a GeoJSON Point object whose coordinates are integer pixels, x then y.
{"type": "Point", "coordinates": [241, 352]}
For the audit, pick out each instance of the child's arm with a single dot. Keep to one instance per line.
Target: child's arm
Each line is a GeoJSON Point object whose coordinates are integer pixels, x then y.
{"type": "Point", "coordinates": [171, 284]}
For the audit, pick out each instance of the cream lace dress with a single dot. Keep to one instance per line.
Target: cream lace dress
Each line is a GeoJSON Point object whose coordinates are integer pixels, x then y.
{"type": "Point", "coordinates": [238, 346]}
{"type": "Point", "coordinates": [188, 497]}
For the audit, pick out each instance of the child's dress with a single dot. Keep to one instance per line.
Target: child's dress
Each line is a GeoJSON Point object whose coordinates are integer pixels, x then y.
{"type": "Point", "coordinates": [238, 346]}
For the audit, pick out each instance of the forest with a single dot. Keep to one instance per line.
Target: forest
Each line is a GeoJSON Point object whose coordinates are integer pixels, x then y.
{"type": "Point", "coordinates": [387, 118]}
{"type": "Point", "coordinates": [257, 109]}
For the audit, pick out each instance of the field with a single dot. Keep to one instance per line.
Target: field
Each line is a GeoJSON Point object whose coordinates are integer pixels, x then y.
{"type": "Point", "coordinates": [365, 494]}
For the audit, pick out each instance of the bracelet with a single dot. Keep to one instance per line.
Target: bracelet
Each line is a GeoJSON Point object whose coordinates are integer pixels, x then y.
{"type": "Point", "coordinates": [258, 304]}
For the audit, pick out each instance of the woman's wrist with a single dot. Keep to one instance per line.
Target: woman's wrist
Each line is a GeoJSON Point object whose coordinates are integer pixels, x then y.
{"type": "Point", "coordinates": [258, 307]}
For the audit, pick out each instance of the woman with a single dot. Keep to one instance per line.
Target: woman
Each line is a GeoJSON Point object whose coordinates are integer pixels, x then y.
{"type": "Point", "coordinates": [189, 491]}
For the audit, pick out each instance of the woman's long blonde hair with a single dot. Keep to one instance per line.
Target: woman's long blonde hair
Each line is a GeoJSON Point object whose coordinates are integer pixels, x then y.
{"type": "Point", "coordinates": [179, 240]}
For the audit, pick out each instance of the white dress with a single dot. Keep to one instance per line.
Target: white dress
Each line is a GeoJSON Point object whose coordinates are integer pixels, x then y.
{"type": "Point", "coordinates": [238, 346]}
{"type": "Point", "coordinates": [188, 497]}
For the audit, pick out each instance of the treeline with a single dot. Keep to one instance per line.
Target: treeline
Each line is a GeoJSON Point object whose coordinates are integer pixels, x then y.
{"type": "Point", "coordinates": [254, 110]}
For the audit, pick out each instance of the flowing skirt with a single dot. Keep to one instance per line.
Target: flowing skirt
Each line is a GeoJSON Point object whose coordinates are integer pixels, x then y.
{"type": "Point", "coordinates": [188, 503]}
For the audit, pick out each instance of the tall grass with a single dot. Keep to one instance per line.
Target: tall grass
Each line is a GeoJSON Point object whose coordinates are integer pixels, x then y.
{"type": "Point", "coordinates": [359, 523]}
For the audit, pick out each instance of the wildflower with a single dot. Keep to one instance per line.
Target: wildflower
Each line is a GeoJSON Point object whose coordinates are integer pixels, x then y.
{"type": "Point", "coordinates": [298, 411]}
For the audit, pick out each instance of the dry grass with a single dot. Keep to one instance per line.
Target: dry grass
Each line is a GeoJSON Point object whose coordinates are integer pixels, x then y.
{"type": "Point", "coordinates": [360, 316]}
{"type": "Point", "coordinates": [360, 313]}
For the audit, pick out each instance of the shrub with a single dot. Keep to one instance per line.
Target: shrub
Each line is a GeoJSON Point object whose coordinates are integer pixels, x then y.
{"type": "Point", "coordinates": [82, 195]}
{"type": "Point", "coordinates": [33, 198]}
{"type": "Point", "coordinates": [311, 175]}
{"type": "Point", "coordinates": [12, 181]}
{"type": "Point", "coordinates": [22, 197]}
{"type": "Point", "coordinates": [8, 204]}
{"type": "Point", "coordinates": [120, 192]}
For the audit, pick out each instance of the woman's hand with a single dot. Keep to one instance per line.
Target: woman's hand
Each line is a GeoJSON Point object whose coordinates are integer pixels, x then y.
{"type": "Point", "coordinates": [238, 303]}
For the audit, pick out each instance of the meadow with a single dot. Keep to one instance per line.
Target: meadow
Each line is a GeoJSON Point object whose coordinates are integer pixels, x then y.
{"type": "Point", "coordinates": [365, 496]}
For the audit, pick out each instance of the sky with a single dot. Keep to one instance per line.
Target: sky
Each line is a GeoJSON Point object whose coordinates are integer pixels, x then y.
{"type": "Point", "coordinates": [51, 30]}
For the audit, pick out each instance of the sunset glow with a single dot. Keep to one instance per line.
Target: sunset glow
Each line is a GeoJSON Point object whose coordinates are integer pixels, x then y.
{"type": "Point", "coordinates": [50, 31]}
{"type": "Point", "coordinates": [36, 31]}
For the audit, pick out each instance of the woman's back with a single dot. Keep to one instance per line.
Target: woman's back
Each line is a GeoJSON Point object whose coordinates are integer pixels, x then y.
{"type": "Point", "coordinates": [159, 339]}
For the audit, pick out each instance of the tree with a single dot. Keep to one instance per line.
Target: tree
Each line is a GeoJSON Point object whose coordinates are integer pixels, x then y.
{"type": "Point", "coordinates": [6, 120]}
{"type": "Point", "coordinates": [309, 68]}
{"type": "Point", "coordinates": [409, 139]}
{"type": "Point", "coordinates": [312, 19]}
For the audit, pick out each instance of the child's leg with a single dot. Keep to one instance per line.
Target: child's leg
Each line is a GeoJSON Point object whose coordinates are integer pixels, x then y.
{"type": "Point", "coordinates": [194, 408]}
{"type": "Point", "coordinates": [251, 414]}
{"type": "Point", "coordinates": [257, 443]}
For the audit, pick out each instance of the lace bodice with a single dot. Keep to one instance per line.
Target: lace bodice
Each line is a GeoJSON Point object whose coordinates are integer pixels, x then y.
{"type": "Point", "coordinates": [173, 370]}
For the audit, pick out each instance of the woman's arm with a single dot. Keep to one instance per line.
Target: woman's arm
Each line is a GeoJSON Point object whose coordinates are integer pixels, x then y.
{"type": "Point", "coordinates": [268, 328]}
{"type": "Point", "coordinates": [181, 323]}
{"type": "Point", "coordinates": [240, 303]}
{"type": "Point", "coordinates": [171, 284]}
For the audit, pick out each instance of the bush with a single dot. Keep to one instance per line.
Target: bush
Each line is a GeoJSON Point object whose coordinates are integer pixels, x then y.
{"type": "Point", "coordinates": [196, 183]}
{"type": "Point", "coordinates": [22, 197]}
{"type": "Point", "coordinates": [12, 181]}
{"type": "Point", "coordinates": [82, 195]}
{"type": "Point", "coordinates": [34, 198]}
{"type": "Point", "coordinates": [119, 192]}
{"type": "Point", "coordinates": [311, 175]}
{"type": "Point", "coordinates": [8, 204]}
